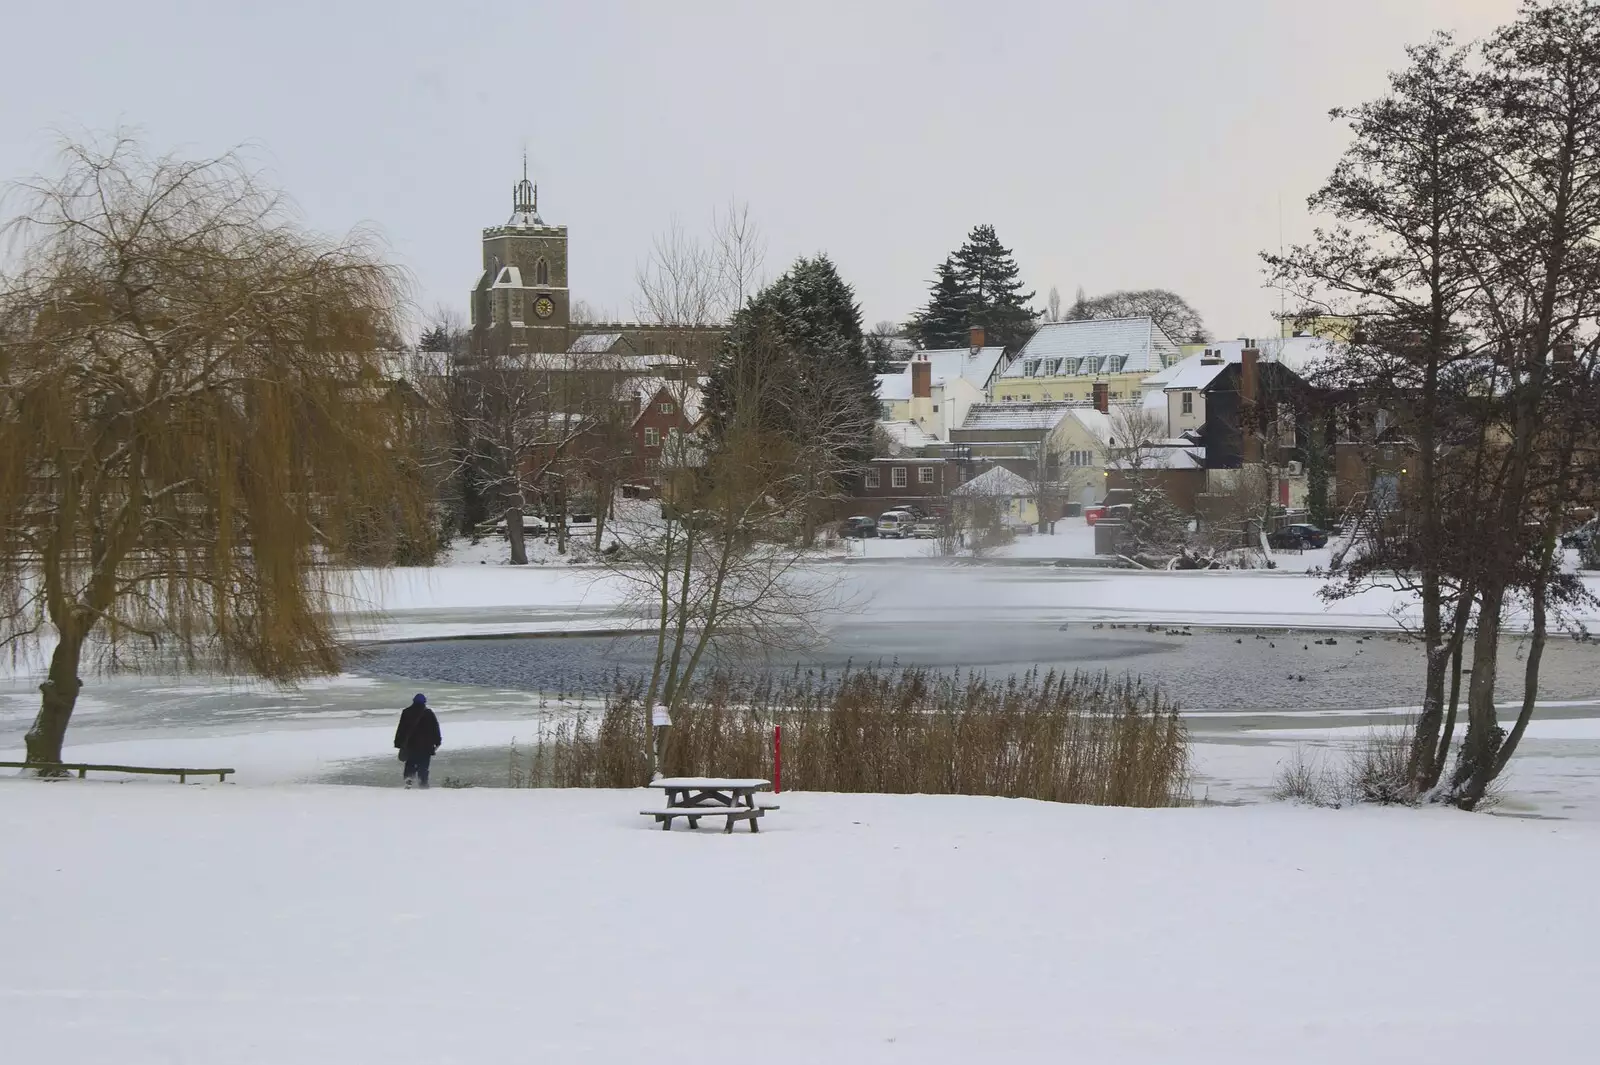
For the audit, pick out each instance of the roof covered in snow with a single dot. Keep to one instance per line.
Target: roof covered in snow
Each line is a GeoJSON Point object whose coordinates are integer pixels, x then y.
{"type": "Point", "coordinates": [977, 367]}
{"type": "Point", "coordinates": [894, 386]}
{"type": "Point", "coordinates": [908, 436]}
{"type": "Point", "coordinates": [1094, 348]}
{"type": "Point", "coordinates": [1097, 425]}
{"type": "Point", "coordinates": [594, 343]}
{"type": "Point", "coordinates": [1163, 458]}
{"type": "Point", "coordinates": [685, 393]}
{"type": "Point", "coordinates": [1012, 416]}
{"type": "Point", "coordinates": [1301, 356]}
{"type": "Point", "coordinates": [995, 483]}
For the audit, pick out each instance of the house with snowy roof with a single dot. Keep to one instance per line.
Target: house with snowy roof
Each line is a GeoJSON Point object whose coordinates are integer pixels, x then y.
{"type": "Point", "coordinates": [1073, 360]}
{"type": "Point", "coordinates": [938, 387]}
{"type": "Point", "coordinates": [1072, 440]}
{"type": "Point", "coordinates": [1009, 498]}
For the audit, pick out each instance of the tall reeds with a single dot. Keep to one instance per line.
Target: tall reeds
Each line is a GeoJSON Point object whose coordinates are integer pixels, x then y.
{"type": "Point", "coordinates": [1080, 738]}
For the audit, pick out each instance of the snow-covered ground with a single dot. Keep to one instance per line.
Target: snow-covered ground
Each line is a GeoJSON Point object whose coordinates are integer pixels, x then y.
{"type": "Point", "coordinates": [152, 923]}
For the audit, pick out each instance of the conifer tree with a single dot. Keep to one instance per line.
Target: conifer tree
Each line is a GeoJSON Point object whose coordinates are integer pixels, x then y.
{"type": "Point", "coordinates": [978, 285]}
{"type": "Point", "coordinates": [944, 322]}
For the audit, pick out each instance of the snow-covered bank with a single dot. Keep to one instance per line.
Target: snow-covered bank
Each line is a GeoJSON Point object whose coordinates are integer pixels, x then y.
{"type": "Point", "coordinates": [151, 923]}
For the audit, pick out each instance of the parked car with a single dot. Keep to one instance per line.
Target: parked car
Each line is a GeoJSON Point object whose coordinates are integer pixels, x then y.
{"type": "Point", "coordinates": [895, 524]}
{"type": "Point", "coordinates": [1580, 538]}
{"type": "Point", "coordinates": [925, 530]}
{"type": "Point", "coordinates": [859, 527]}
{"type": "Point", "coordinates": [1297, 538]}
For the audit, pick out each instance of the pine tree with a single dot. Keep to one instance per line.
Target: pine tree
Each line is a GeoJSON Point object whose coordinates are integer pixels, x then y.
{"type": "Point", "coordinates": [977, 285]}
{"type": "Point", "coordinates": [988, 275]}
{"type": "Point", "coordinates": [944, 322]}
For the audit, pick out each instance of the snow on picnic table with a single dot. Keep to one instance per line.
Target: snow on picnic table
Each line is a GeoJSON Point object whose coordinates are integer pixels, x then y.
{"type": "Point", "coordinates": [152, 922]}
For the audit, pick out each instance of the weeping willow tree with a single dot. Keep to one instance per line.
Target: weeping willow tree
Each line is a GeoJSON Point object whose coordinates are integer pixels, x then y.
{"type": "Point", "coordinates": [194, 421]}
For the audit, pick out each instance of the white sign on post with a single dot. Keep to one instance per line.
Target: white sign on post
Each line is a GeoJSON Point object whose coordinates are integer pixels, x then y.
{"type": "Point", "coordinates": [659, 718]}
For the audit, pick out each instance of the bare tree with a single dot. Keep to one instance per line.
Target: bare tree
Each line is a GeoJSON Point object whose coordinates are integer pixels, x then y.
{"type": "Point", "coordinates": [195, 408]}
{"type": "Point", "coordinates": [527, 421]}
{"type": "Point", "coordinates": [695, 282]}
{"type": "Point", "coordinates": [1170, 311]}
{"type": "Point", "coordinates": [678, 284]}
{"type": "Point", "coordinates": [721, 572]}
{"type": "Point", "coordinates": [739, 256]}
{"type": "Point", "coordinates": [1052, 311]}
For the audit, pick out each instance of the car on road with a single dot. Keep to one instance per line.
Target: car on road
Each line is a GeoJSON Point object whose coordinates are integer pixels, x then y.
{"type": "Point", "coordinates": [925, 530]}
{"type": "Point", "coordinates": [859, 527]}
{"type": "Point", "coordinates": [1297, 538]}
{"type": "Point", "coordinates": [895, 524]}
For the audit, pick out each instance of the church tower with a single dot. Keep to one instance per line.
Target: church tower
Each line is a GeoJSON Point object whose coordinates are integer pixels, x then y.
{"type": "Point", "coordinates": [521, 301]}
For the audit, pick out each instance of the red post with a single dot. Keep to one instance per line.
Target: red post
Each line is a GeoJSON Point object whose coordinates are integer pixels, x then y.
{"type": "Point", "coordinates": [777, 759]}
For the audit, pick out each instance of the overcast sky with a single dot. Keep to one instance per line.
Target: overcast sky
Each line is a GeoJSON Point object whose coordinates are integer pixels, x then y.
{"type": "Point", "coordinates": [1113, 144]}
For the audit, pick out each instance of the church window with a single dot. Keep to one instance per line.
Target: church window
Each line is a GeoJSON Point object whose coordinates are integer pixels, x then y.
{"type": "Point", "coordinates": [542, 272]}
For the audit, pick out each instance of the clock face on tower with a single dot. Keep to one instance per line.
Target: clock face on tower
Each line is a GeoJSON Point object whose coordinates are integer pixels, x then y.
{"type": "Point", "coordinates": [543, 307]}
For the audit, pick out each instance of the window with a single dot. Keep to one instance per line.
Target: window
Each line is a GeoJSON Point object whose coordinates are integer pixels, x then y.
{"type": "Point", "coordinates": [897, 477]}
{"type": "Point", "coordinates": [669, 408]}
{"type": "Point", "coordinates": [652, 438]}
{"type": "Point", "coordinates": [1030, 368]}
{"type": "Point", "coordinates": [936, 408]}
{"type": "Point", "coordinates": [1116, 395]}
{"type": "Point", "coordinates": [1188, 403]}
{"type": "Point", "coordinates": [1055, 367]}
{"type": "Point", "coordinates": [886, 411]}
{"type": "Point", "coordinates": [872, 478]}
{"type": "Point", "coordinates": [542, 272]}
{"type": "Point", "coordinates": [1074, 366]}
{"type": "Point", "coordinates": [924, 474]}
{"type": "Point", "coordinates": [1118, 362]}
{"type": "Point", "coordinates": [1093, 365]}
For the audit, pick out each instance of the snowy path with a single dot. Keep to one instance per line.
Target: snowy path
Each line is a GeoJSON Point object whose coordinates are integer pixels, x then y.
{"type": "Point", "coordinates": [152, 923]}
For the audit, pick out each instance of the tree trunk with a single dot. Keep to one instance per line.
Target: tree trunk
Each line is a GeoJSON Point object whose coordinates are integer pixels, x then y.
{"type": "Point", "coordinates": [1530, 681]}
{"type": "Point", "coordinates": [1475, 768]}
{"type": "Point", "coordinates": [1458, 643]}
{"type": "Point", "coordinates": [58, 695]}
{"type": "Point", "coordinates": [518, 538]}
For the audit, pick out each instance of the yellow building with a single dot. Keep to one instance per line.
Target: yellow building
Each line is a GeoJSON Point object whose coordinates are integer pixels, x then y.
{"type": "Point", "coordinates": [1065, 360]}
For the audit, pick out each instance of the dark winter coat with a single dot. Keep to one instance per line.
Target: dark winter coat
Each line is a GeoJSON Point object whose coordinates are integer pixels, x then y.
{"type": "Point", "coordinates": [418, 731]}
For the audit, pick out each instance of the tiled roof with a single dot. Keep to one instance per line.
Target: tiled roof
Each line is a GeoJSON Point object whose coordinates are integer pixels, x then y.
{"type": "Point", "coordinates": [1097, 347]}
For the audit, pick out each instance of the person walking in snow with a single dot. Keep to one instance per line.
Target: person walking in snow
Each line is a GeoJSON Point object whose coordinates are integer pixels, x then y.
{"type": "Point", "coordinates": [417, 738]}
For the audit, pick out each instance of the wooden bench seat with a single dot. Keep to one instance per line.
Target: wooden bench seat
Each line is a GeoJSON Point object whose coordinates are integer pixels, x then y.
{"type": "Point", "coordinates": [694, 813]}
{"type": "Point", "coordinates": [83, 769]}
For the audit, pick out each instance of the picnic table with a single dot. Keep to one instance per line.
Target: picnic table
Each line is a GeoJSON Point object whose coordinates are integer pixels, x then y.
{"type": "Point", "coordinates": [695, 797]}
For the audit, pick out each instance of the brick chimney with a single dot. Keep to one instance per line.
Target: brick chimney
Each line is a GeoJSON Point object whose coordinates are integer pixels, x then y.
{"type": "Point", "coordinates": [1102, 397]}
{"type": "Point", "coordinates": [975, 337]}
{"type": "Point", "coordinates": [1249, 374]}
{"type": "Point", "coordinates": [921, 378]}
{"type": "Point", "coordinates": [1249, 405]}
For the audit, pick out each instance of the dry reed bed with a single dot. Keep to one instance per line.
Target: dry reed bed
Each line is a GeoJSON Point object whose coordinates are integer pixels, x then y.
{"type": "Point", "coordinates": [1080, 738]}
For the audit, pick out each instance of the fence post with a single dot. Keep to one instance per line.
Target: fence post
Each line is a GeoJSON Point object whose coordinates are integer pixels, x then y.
{"type": "Point", "coordinates": [777, 759]}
